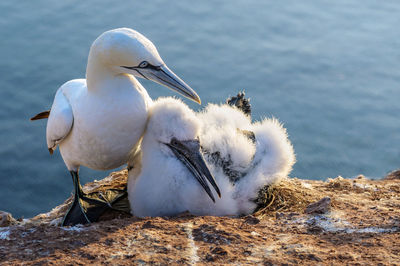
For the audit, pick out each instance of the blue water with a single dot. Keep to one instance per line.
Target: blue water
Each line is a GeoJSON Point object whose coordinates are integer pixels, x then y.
{"type": "Point", "coordinates": [330, 70]}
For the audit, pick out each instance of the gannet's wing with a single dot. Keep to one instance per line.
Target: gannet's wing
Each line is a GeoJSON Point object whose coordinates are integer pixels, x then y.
{"type": "Point", "coordinates": [60, 121]}
{"type": "Point", "coordinates": [240, 102]}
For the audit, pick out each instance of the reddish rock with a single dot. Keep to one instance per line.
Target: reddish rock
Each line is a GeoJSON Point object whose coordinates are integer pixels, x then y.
{"type": "Point", "coordinates": [393, 175]}
{"type": "Point", "coordinates": [362, 227]}
{"type": "Point", "coordinates": [6, 219]}
{"type": "Point", "coordinates": [319, 207]}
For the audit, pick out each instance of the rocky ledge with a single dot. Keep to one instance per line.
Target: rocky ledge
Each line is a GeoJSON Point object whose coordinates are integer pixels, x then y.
{"type": "Point", "coordinates": [340, 221]}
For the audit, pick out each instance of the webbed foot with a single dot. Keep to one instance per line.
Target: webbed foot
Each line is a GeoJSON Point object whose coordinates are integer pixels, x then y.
{"type": "Point", "coordinates": [87, 208]}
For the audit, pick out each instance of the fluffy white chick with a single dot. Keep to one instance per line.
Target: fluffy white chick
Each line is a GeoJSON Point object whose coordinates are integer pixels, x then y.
{"type": "Point", "coordinates": [242, 156]}
{"type": "Point", "coordinates": [173, 175]}
{"type": "Point", "coordinates": [249, 155]}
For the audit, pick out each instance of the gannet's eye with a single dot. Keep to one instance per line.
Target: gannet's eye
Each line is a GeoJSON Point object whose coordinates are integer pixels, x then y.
{"type": "Point", "coordinates": [143, 64]}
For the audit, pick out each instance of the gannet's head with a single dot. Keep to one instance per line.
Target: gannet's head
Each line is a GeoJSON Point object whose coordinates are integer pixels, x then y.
{"type": "Point", "coordinates": [127, 51]}
{"type": "Point", "coordinates": [174, 129]}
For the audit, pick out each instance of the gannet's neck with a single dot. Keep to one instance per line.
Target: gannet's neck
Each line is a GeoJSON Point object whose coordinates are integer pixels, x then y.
{"type": "Point", "coordinates": [102, 76]}
{"type": "Point", "coordinates": [97, 74]}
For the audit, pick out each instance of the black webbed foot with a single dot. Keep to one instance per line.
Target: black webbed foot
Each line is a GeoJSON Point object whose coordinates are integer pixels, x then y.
{"type": "Point", "coordinates": [87, 208]}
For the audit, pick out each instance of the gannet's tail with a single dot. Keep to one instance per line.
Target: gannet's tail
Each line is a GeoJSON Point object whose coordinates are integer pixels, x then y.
{"type": "Point", "coordinates": [42, 115]}
{"type": "Point", "coordinates": [273, 161]}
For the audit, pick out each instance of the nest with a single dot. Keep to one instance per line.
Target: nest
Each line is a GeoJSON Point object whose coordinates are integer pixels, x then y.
{"type": "Point", "coordinates": [288, 196]}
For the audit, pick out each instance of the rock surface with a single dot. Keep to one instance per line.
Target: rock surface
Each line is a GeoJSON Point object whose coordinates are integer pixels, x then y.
{"type": "Point", "coordinates": [360, 226]}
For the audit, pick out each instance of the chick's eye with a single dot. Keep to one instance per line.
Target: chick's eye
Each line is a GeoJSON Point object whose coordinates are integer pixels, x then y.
{"type": "Point", "coordinates": [174, 141]}
{"type": "Point", "coordinates": [144, 64]}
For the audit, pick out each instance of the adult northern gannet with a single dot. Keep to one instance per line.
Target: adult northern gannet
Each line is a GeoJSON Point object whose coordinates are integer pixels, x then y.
{"type": "Point", "coordinates": [97, 122]}
{"type": "Point", "coordinates": [241, 155]}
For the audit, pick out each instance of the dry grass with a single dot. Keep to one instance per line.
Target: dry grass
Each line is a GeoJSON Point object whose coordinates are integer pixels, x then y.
{"type": "Point", "coordinates": [288, 196]}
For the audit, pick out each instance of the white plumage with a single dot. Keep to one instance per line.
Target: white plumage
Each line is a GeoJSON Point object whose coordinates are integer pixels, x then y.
{"type": "Point", "coordinates": [98, 121]}
{"type": "Point", "coordinates": [241, 167]}
{"type": "Point", "coordinates": [251, 165]}
{"type": "Point", "coordinates": [98, 132]}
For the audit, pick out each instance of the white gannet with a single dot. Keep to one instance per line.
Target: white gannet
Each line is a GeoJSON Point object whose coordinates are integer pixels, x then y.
{"type": "Point", "coordinates": [98, 122]}
{"type": "Point", "coordinates": [241, 155]}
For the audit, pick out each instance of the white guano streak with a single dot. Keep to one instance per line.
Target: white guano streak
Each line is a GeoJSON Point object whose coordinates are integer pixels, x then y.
{"type": "Point", "coordinates": [188, 227]}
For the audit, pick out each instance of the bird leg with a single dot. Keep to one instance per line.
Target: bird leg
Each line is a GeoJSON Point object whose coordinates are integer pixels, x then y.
{"type": "Point", "coordinates": [87, 208]}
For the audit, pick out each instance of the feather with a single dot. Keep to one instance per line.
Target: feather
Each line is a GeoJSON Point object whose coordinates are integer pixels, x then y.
{"type": "Point", "coordinates": [42, 115]}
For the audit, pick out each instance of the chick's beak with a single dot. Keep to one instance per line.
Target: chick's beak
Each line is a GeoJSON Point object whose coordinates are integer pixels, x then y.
{"type": "Point", "coordinates": [188, 152]}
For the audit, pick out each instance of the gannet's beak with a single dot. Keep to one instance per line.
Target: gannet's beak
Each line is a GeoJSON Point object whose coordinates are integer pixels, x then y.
{"type": "Point", "coordinates": [188, 152]}
{"type": "Point", "coordinates": [164, 76]}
